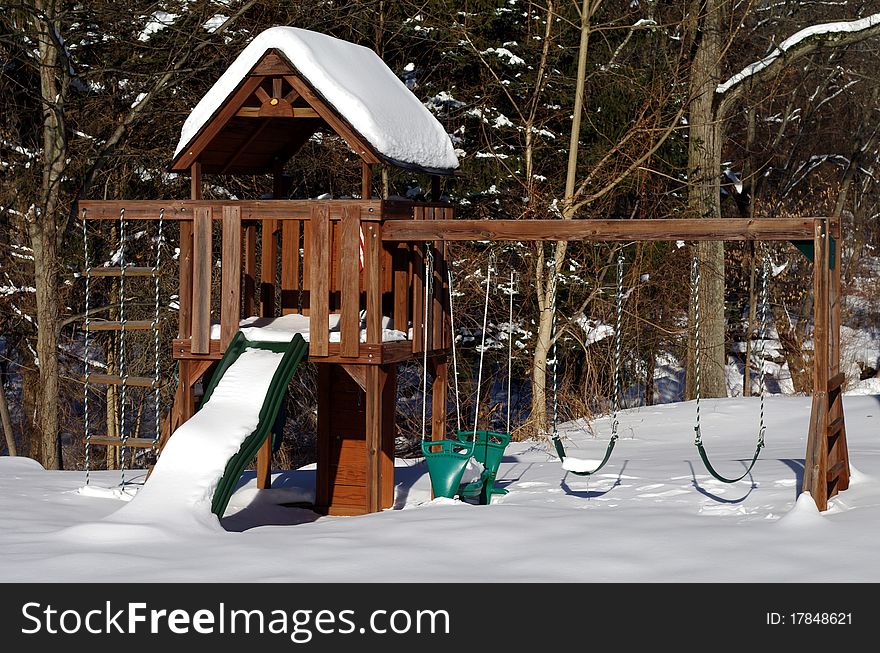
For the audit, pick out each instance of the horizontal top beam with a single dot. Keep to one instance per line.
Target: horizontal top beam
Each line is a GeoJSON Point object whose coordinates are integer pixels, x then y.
{"type": "Point", "coordinates": [603, 230]}
{"type": "Point", "coordinates": [250, 209]}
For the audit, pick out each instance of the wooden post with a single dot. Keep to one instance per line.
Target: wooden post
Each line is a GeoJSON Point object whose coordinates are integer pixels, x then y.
{"type": "Point", "coordinates": [349, 263]}
{"type": "Point", "coordinates": [202, 259]}
{"type": "Point", "coordinates": [816, 457]}
{"type": "Point", "coordinates": [230, 271]}
{"type": "Point", "coordinates": [838, 450]}
{"type": "Point", "coordinates": [264, 465]}
{"type": "Point", "coordinates": [366, 180]}
{"type": "Point", "coordinates": [319, 299]}
{"type": "Point", "coordinates": [250, 270]}
{"type": "Point", "coordinates": [267, 269]}
{"type": "Point", "coordinates": [440, 371]}
{"type": "Point", "coordinates": [389, 433]}
{"type": "Point", "coordinates": [376, 378]}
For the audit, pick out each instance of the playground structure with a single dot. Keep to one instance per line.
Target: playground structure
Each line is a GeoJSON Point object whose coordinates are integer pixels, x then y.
{"type": "Point", "coordinates": [363, 261]}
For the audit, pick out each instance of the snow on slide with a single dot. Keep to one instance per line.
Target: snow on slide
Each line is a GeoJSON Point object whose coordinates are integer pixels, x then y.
{"type": "Point", "coordinates": [183, 481]}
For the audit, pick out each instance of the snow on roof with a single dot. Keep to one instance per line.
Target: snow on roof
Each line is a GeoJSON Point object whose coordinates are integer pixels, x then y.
{"type": "Point", "coordinates": [355, 82]}
{"type": "Point", "coordinates": [795, 39]}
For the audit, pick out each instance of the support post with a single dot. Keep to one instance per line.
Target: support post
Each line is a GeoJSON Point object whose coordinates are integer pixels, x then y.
{"type": "Point", "coordinates": [440, 372]}
{"type": "Point", "coordinates": [202, 259]}
{"type": "Point", "coordinates": [264, 465]}
{"type": "Point", "coordinates": [230, 270]}
{"type": "Point", "coordinates": [816, 457]}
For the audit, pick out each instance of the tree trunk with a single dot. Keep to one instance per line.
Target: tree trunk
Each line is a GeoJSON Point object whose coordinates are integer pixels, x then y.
{"type": "Point", "coordinates": [46, 443]}
{"type": "Point", "coordinates": [7, 423]}
{"type": "Point", "coordinates": [704, 200]}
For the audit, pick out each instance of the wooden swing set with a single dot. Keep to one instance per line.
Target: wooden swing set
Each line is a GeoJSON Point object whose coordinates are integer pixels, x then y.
{"type": "Point", "coordinates": [363, 261]}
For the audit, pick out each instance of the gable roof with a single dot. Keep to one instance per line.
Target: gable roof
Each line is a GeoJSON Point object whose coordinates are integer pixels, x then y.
{"type": "Point", "coordinates": [350, 81]}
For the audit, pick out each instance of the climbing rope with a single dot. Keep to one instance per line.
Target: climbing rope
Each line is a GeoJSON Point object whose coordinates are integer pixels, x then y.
{"type": "Point", "coordinates": [698, 436]}
{"type": "Point", "coordinates": [615, 394]}
{"type": "Point", "coordinates": [155, 327]}
{"type": "Point", "coordinates": [454, 354]}
{"type": "Point", "coordinates": [87, 370]}
{"type": "Point", "coordinates": [123, 375]}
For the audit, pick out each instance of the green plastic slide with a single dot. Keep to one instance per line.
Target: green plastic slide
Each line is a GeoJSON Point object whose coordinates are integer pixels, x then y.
{"type": "Point", "coordinates": [294, 351]}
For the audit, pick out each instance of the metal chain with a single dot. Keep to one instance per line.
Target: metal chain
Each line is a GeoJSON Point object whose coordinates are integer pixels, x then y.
{"type": "Point", "coordinates": [454, 354]}
{"type": "Point", "coordinates": [122, 372]}
{"type": "Point", "coordinates": [695, 300]}
{"type": "Point", "coordinates": [429, 286]}
{"type": "Point", "coordinates": [765, 273]}
{"type": "Point", "coordinates": [86, 420]}
{"type": "Point", "coordinates": [489, 270]}
{"type": "Point", "coordinates": [155, 327]}
{"type": "Point", "coordinates": [615, 405]}
{"type": "Point", "coordinates": [555, 433]}
{"type": "Point", "coordinates": [509, 350]}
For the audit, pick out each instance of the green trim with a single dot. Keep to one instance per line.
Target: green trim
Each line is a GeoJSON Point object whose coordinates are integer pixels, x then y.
{"type": "Point", "coordinates": [294, 352]}
{"type": "Point", "coordinates": [807, 248]}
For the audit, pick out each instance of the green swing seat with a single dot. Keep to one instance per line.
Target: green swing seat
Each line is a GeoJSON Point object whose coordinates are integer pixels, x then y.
{"type": "Point", "coordinates": [447, 460]}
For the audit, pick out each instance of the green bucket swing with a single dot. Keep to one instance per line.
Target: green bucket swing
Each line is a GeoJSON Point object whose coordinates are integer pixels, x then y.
{"type": "Point", "coordinates": [448, 459]}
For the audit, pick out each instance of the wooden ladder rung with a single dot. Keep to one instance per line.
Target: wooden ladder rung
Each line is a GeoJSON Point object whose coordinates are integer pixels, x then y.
{"type": "Point", "coordinates": [115, 379]}
{"type": "Point", "coordinates": [835, 428]}
{"type": "Point", "coordinates": [135, 443]}
{"type": "Point", "coordinates": [113, 325]}
{"type": "Point", "coordinates": [836, 382]}
{"type": "Point", "coordinates": [835, 470]}
{"type": "Point", "coordinates": [117, 272]}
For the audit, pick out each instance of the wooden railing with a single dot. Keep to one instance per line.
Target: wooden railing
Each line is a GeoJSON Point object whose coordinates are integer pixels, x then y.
{"type": "Point", "coordinates": [316, 258]}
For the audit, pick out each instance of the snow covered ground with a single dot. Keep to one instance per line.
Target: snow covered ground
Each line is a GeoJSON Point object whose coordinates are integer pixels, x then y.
{"type": "Point", "coordinates": [653, 514]}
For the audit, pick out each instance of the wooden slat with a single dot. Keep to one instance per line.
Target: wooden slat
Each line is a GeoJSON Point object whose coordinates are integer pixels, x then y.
{"type": "Point", "coordinates": [267, 269]}
{"type": "Point", "coordinates": [835, 427]}
{"type": "Point", "coordinates": [115, 379]}
{"type": "Point", "coordinates": [835, 382]}
{"type": "Point", "coordinates": [835, 470]}
{"type": "Point", "coordinates": [599, 230]}
{"type": "Point", "coordinates": [281, 110]}
{"type": "Point", "coordinates": [373, 281]}
{"type": "Point", "coordinates": [114, 325]}
{"type": "Point", "coordinates": [250, 269]}
{"type": "Point", "coordinates": [201, 294]}
{"type": "Point", "coordinates": [319, 298]}
{"type": "Point", "coordinates": [400, 285]}
{"type": "Point", "coordinates": [290, 266]}
{"type": "Point", "coordinates": [130, 271]}
{"type": "Point", "coordinates": [418, 289]}
{"type": "Point", "coordinates": [230, 270]}
{"type": "Point", "coordinates": [134, 443]}
{"type": "Point", "coordinates": [349, 266]}
{"type": "Point", "coordinates": [250, 209]}
{"type": "Point", "coordinates": [439, 368]}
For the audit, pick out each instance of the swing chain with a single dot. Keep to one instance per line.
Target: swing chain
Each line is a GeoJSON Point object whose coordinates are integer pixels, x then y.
{"type": "Point", "coordinates": [87, 370]}
{"type": "Point", "coordinates": [695, 300]}
{"type": "Point", "coordinates": [123, 375]}
{"type": "Point", "coordinates": [617, 345]}
{"type": "Point", "coordinates": [155, 327]}
{"type": "Point", "coordinates": [765, 273]}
